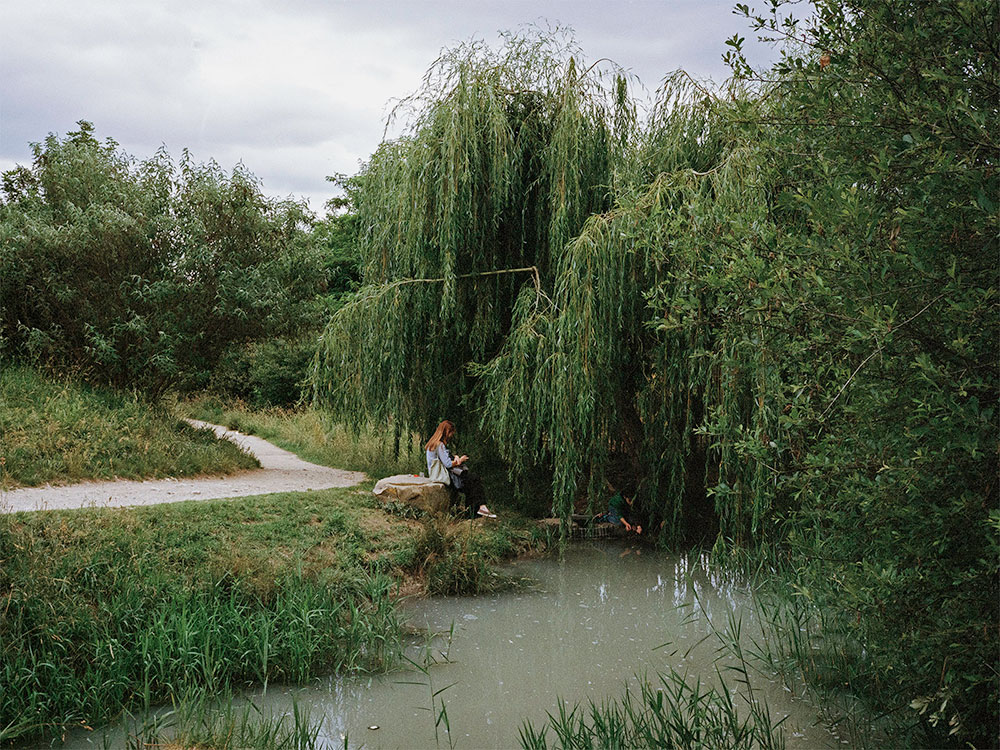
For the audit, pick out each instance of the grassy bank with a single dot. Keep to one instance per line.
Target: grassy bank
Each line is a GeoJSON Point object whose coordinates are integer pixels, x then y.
{"type": "Point", "coordinates": [61, 431]}
{"type": "Point", "coordinates": [103, 610]}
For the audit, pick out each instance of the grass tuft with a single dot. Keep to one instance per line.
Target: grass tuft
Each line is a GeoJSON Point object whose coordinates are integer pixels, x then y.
{"type": "Point", "coordinates": [670, 712]}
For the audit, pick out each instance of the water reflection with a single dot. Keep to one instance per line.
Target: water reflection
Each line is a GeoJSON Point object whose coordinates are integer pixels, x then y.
{"type": "Point", "coordinates": [583, 631]}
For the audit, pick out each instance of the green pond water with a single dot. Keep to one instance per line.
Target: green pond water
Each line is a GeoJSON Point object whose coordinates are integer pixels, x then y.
{"type": "Point", "coordinates": [583, 629]}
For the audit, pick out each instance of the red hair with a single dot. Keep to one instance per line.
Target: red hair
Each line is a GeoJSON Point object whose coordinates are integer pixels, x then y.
{"type": "Point", "coordinates": [442, 434]}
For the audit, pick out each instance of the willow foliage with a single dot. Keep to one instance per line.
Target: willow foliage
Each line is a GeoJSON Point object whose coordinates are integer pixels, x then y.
{"type": "Point", "coordinates": [507, 153]}
{"type": "Point", "coordinates": [772, 308]}
{"type": "Point", "coordinates": [617, 373]}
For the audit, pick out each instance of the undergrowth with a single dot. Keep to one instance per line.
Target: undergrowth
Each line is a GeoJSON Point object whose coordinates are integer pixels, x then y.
{"type": "Point", "coordinates": [459, 559]}
{"type": "Point", "coordinates": [60, 431]}
{"type": "Point", "coordinates": [103, 610]}
{"type": "Point", "coordinates": [111, 610]}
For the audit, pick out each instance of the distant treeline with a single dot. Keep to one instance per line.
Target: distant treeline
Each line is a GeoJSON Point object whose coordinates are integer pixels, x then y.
{"type": "Point", "coordinates": [146, 274]}
{"type": "Point", "coordinates": [770, 309]}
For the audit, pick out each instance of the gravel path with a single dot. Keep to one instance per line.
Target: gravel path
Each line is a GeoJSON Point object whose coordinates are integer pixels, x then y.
{"type": "Point", "coordinates": [280, 471]}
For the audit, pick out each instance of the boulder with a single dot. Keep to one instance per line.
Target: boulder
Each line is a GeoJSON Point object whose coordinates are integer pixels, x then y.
{"type": "Point", "coordinates": [420, 492]}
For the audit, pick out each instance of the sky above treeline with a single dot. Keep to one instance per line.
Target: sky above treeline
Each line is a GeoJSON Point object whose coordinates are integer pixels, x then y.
{"type": "Point", "coordinates": [300, 89]}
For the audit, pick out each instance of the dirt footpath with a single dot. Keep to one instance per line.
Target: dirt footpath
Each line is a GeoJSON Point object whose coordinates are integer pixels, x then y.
{"type": "Point", "coordinates": [280, 471]}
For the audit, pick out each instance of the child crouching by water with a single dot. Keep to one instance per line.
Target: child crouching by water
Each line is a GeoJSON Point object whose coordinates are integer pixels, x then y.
{"type": "Point", "coordinates": [619, 513]}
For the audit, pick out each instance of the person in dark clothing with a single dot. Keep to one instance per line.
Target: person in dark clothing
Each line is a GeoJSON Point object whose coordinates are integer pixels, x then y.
{"type": "Point", "coordinates": [620, 513]}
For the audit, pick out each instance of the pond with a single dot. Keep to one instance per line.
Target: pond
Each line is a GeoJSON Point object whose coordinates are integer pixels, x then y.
{"type": "Point", "coordinates": [583, 628]}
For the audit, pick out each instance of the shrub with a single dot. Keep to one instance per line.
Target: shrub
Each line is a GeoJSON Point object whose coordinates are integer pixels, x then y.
{"type": "Point", "coordinates": [142, 274]}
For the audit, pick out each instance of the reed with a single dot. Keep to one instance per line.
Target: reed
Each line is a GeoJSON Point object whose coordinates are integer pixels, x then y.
{"type": "Point", "coordinates": [430, 654]}
{"type": "Point", "coordinates": [668, 711]}
{"type": "Point", "coordinates": [221, 723]}
{"type": "Point", "coordinates": [817, 656]}
{"type": "Point", "coordinates": [106, 610]}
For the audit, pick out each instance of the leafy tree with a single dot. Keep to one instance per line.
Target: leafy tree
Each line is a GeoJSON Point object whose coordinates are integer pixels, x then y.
{"type": "Point", "coordinates": [141, 274]}
{"type": "Point", "coordinates": [885, 120]}
{"type": "Point", "coordinates": [774, 306]}
{"type": "Point", "coordinates": [336, 237]}
{"type": "Point", "coordinates": [274, 371]}
{"type": "Point", "coordinates": [508, 153]}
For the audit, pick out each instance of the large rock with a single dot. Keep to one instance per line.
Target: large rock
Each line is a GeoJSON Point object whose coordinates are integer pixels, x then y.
{"type": "Point", "coordinates": [420, 492]}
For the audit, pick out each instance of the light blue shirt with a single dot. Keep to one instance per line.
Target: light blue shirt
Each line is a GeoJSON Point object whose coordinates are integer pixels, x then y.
{"type": "Point", "coordinates": [444, 455]}
{"type": "Point", "coordinates": [441, 452]}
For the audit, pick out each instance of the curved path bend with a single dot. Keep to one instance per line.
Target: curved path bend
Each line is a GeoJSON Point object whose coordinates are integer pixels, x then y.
{"type": "Point", "coordinates": [280, 471]}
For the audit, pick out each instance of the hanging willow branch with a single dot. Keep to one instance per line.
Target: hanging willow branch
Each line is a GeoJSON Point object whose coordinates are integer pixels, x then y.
{"type": "Point", "coordinates": [402, 282]}
{"type": "Point", "coordinates": [507, 153]}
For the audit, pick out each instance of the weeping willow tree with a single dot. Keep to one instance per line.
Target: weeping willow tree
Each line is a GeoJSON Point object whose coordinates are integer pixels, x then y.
{"type": "Point", "coordinates": [615, 376]}
{"type": "Point", "coordinates": [534, 257]}
{"type": "Point", "coordinates": [771, 307]}
{"type": "Point", "coordinates": [506, 154]}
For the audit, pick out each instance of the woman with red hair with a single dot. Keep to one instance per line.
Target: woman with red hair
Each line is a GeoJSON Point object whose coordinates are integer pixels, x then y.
{"type": "Point", "coordinates": [442, 466]}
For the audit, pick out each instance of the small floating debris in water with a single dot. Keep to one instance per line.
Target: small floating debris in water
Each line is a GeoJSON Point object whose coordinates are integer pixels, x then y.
{"type": "Point", "coordinates": [373, 727]}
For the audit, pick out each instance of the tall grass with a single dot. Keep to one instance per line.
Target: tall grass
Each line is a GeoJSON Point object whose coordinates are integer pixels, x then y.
{"type": "Point", "coordinates": [813, 651]}
{"type": "Point", "coordinates": [61, 431]}
{"type": "Point", "coordinates": [458, 559]}
{"type": "Point", "coordinates": [223, 725]}
{"type": "Point", "coordinates": [111, 610]}
{"type": "Point", "coordinates": [155, 646]}
{"type": "Point", "coordinates": [816, 652]}
{"type": "Point", "coordinates": [107, 610]}
{"type": "Point", "coordinates": [668, 712]}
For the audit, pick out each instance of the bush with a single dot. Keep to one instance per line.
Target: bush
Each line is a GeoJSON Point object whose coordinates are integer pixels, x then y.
{"type": "Point", "coordinates": [264, 373]}
{"type": "Point", "coordinates": [143, 274]}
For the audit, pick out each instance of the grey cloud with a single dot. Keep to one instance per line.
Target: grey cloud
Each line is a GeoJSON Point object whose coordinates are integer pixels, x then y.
{"type": "Point", "coordinates": [298, 90]}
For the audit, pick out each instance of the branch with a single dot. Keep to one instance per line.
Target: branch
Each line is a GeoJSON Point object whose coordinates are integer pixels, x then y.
{"type": "Point", "coordinates": [526, 269]}
{"type": "Point", "coordinates": [592, 66]}
{"type": "Point", "coordinates": [868, 358]}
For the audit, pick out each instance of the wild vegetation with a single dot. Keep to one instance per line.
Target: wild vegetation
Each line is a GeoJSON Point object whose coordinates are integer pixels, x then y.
{"type": "Point", "coordinates": [62, 431]}
{"type": "Point", "coordinates": [126, 609]}
{"type": "Point", "coordinates": [142, 275]}
{"type": "Point", "coordinates": [772, 307]}
{"type": "Point", "coordinates": [671, 711]}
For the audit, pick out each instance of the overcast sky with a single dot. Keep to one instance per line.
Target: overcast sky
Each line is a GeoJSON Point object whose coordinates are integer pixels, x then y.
{"type": "Point", "coordinates": [296, 90]}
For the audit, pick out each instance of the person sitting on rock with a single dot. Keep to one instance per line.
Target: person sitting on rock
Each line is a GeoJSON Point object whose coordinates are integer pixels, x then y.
{"type": "Point", "coordinates": [455, 473]}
